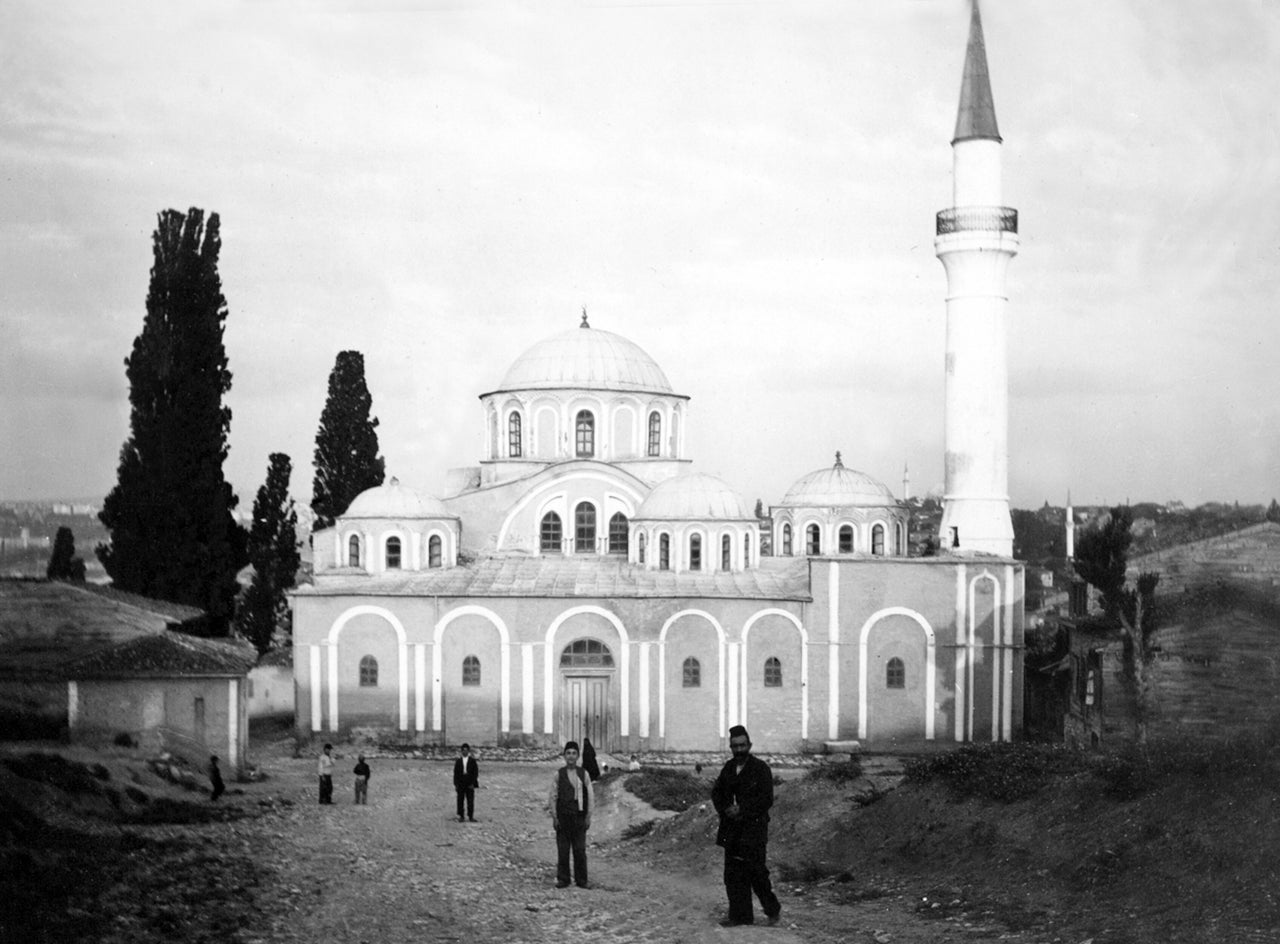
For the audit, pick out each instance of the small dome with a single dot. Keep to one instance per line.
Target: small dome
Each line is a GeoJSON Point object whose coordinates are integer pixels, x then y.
{"type": "Point", "coordinates": [837, 486]}
{"type": "Point", "coordinates": [588, 358]}
{"type": "Point", "coordinates": [692, 496]}
{"type": "Point", "coordinates": [394, 500]}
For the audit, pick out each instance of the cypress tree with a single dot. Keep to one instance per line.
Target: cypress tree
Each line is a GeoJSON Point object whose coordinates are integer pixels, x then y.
{"type": "Point", "coordinates": [172, 533]}
{"type": "Point", "coordinates": [346, 458]}
{"type": "Point", "coordinates": [273, 552]}
{"type": "Point", "coordinates": [63, 563]}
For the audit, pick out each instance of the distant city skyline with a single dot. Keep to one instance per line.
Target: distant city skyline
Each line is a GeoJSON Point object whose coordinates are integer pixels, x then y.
{"type": "Point", "coordinates": [746, 191]}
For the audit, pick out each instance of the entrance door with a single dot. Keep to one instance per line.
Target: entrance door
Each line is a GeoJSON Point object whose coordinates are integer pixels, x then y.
{"type": "Point", "coordinates": [584, 711]}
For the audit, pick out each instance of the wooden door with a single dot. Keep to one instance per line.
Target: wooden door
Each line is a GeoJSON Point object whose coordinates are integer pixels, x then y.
{"type": "Point", "coordinates": [584, 711]}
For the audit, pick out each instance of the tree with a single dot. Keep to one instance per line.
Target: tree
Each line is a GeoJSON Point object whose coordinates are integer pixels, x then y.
{"type": "Point", "coordinates": [172, 533]}
{"type": "Point", "coordinates": [1273, 511]}
{"type": "Point", "coordinates": [346, 459]}
{"type": "Point", "coordinates": [273, 552]}
{"type": "Point", "coordinates": [63, 563]}
{"type": "Point", "coordinates": [1102, 559]}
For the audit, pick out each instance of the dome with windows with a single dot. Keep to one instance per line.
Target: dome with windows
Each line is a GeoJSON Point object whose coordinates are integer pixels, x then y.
{"type": "Point", "coordinates": [393, 500]}
{"type": "Point", "coordinates": [588, 358]}
{"type": "Point", "coordinates": [837, 487]}
{"type": "Point", "coordinates": [693, 496]}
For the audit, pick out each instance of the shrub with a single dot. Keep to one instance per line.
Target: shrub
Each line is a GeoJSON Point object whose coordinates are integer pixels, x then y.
{"type": "Point", "coordinates": [665, 789]}
{"type": "Point", "coordinates": [1002, 772]}
{"type": "Point", "coordinates": [637, 830]}
{"type": "Point", "coordinates": [124, 739]}
{"type": "Point", "coordinates": [836, 772]}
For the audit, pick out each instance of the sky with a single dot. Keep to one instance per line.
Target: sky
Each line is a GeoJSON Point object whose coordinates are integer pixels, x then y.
{"type": "Point", "coordinates": [746, 190]}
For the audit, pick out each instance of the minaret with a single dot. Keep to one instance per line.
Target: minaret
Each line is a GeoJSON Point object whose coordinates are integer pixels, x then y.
{"type": "Point", "coordinates": [906, 482]}
{"type": "Point", "coordinates": [1071, 530]}
{"type": "Point", "coordinates": [976, 238]}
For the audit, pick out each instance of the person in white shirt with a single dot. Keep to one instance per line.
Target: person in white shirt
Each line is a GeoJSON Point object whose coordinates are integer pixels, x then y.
{"type": "Point", "coordinates": [569, 803]}
{"type": "Point", "coordinates": [325, 769]}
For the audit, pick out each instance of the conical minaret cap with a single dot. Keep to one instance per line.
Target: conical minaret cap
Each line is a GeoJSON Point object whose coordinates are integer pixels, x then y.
{"type": "Point", "coordinates": [977, 115]}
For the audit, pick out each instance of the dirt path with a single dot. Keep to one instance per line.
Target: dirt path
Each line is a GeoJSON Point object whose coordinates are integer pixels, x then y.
{"type": "Point", "coordinates": [403, 869]}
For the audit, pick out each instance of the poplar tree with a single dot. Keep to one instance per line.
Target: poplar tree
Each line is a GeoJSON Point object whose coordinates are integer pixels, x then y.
{"type": "Point", "coordinates": [63, 563]}
{"type": "Point", "coordinates": [346, 458]}
{"type": "Point", "coordinates": [273, 552]}
{"type": "Point", "coordinates": [169, 515]}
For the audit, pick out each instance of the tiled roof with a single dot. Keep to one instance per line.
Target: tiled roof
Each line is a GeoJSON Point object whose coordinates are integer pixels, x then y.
{"type": "Point", "coordinates": [165, 655]}
{"type": "Point", "coordinates": [514, 576]}
{"type": "Point", "coordinates": [172, 612]}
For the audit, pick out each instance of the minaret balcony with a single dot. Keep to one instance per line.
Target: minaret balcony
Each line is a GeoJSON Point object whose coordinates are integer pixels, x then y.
{"type": "Point", "coordinates": [977, 219]}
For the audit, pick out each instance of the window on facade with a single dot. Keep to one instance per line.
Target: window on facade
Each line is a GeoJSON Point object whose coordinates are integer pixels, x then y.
{"type": "Point", "coordinates": [726, 553]}
{"type": "Point", "coordinates": [746, 550]}
{"type": "Point", "coordinates": [786, 540]}
{"type": "Point", "coordinates": [692, 673]}
{"type": "Point", "coordinates": [899, 545]}
{"type": "Point", "coordinates": [812, 540]}
{"type": "Point", "coordinates": [393, 553]}
{"type": "Point", "coordinates": [434, 547]}
{"type": "Point", "coordinates": [846, 539]}
{"type": "Point", "coordinates": [664, 552]}
{"type": "Point", "coordinates": [640, 547]}
{"type": "Point", "coordinates": [695, 552]}
{"type": "Point", "coordinates": [515, 447]}
{"type": "Point", "coordinates": [588, 653]}
{"type": "Point", "coordinates": [550, 532]}
{"type": "Point", "coordinates": [584, 528]}
{"type": "Point", "coordinates": [585, 426]}
{"type": "Point", "coordinates": [655, 434]}
{"type": "Point", "coordinates": [353, 551]}
{"type": "Point", "coordinates": [772, 673]}
{"type": "Point", "coordinates": [877, 540]}
{"type": "Point", "coordinates": [368, 672]}
{"type": "Point", "coordinates": [470, 671]}
{"type": "Point", "coordinates": [895, 674]}
{"type": "Point", "coordinates": [618, 533]}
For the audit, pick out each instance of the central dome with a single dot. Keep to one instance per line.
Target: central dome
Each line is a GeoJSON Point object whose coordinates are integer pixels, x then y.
{"type": "Point", "coordinates": [836, 487]}
{"type": "Point", "coordinates": [394, 500]}
{"type": "Point", "coordinates": [588, 358]}
{"type": "Point", "coordinates": [692, 495]}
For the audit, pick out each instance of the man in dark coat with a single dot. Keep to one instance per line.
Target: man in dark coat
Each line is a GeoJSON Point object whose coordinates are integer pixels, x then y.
{"type": "Point", "coordinates": [466, 777]}
{"type": "Point", "coordinates": [742, 796]}
{"type": "Point", "coordinates": [570, 803]}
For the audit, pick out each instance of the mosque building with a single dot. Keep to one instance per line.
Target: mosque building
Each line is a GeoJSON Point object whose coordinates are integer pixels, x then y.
{"type": "Point", "coordinates": [585, 580]}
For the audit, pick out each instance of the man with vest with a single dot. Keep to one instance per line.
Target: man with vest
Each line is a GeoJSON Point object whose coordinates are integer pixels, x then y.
{"type": "Point", "coordinates": [742, 796]}
{"type": "Point", "coordinates": [569, 803]}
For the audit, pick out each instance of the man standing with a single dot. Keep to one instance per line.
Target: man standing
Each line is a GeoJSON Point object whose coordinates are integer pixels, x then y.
{"type": "Point", "coordinates": [215, 778]}
{"type": "Point", "coordinates": [742, 796]}
{"type": "Point", "coordinates": [466, 777]}
{"type": "Point", "coordinates": [570, 805]}
{"type": "Point", "coordinates": [362, 772]}
{"type": "Point", "coordinates": [325, 769]}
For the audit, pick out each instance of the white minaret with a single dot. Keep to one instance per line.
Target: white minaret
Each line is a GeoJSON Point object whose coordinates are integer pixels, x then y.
{"type": "Point", "coordinates": [1071, 530]}
{"type": "Point", "coordinates": [976, 239]}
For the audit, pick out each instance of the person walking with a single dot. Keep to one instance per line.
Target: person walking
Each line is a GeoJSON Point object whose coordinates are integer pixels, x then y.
{"type": "Point", "coordinates": [362, 772]}
{"type": "Point", "coordinates": [325, 770]}
{"type": "Point", "coordinates": [466, 777]}
{"type": "Point", "coordinates": [570, 803]}
{"type": "Point", "coordinates": [215, 778]}
{"type": "Point", "coordinates": [742, 795]}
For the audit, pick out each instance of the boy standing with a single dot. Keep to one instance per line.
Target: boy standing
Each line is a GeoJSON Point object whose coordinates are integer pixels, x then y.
{"type": "Point", "coordinates": [466, 777]}
{"type": "Point", "coordinates": [570, 805]}
{"type": "Point", "coordinates": [361, 770]}
{"type": "Point", "coordinates": [325, 770]}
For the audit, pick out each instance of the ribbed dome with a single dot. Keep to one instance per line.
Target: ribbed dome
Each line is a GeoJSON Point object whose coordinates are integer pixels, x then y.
{"type": "Point", "coordinates": [692, 496]}
{"type": "Point", "coordinates": [837, 486]}
{"type": "Point", "coordinates": [394, 500]}
{"type": "Point", "coordinates": [586, 357]}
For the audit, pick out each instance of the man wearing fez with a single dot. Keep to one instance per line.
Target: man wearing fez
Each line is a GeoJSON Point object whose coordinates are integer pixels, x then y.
{"type": "Point", "coordinates": [742, 796]}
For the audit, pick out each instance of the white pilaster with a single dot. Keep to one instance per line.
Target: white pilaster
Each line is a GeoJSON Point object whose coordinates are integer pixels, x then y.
{"type": "Point", "coordinates": [420, 686]}
{"type": "Point", "coordinates": [644, 688]}
{"type": "Point", "coordinates": [833, 650]}
{"type": "Point", "coordinates": [316, 680]}
{"type": "Point", "coordinates": [526, 688]}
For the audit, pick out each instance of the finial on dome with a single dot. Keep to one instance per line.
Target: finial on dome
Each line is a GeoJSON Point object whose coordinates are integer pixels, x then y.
{"type": "Point", "coordinates": [584, 318]}
{"type": "Point", "coordinates": [839, 464]}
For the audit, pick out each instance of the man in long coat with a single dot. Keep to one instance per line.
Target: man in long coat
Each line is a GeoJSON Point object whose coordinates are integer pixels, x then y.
{"type": "Point", "coordinates": [743, 794]}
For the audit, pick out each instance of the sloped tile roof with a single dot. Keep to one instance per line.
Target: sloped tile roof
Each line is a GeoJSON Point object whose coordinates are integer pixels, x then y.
{"type": "Point", "coordinates": [517, 576]}
{"type": "Point", "coordinates": [166, 655]}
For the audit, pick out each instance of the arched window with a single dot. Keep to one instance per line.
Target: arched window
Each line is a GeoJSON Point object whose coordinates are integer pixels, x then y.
{"type": "Point", "coordinates": [550, 534]}
{"type": "Point", "coordinates": [695, 552]}
{"type": "Point", "coordinates": [655, 434]}
{"type": "Point", "coordinates": [786, 540]}
{"type": "Point", "coordinates": [584, 528]}
{"type": "Point", "coordinates": [589, 653]}
{"type": "Point", "coordinates": [618, 533]}
{"type": "Point", "coordinates": [470, 671]}
{"type": "Point", "coordinates": [877, 540]}
{"type": "Point", "coordinates": [726, 553]}
{"type": "Point", "coordinates": [434, 547]}
{"type": "Point", "coordinates": [393, 553]}
{"type": "Point", "coordinates": [692, 673]}
{"type": "Point", "coordinates": [772, 673]}
{"type": "Point", "coordinates": [353, 551]}
{"type": "Point", "coordinates": [664, 552]}
{"type": "Point", "coordinates": [900, 540]}
{"type": "Point", "coordinates": [812, 540]}
{"type": "Point", "coordinates": [846, 539]}
{"type": "Point", "coordinates": [368, 672]}
{"type": "Point", "coordinates": [640, 546]}
{"type": "Point", "coordinates": [585, 426]}
{"type": "Point", "coordinates": [746, 550]}
{"type": "Point", "coordinates": [515, 442]}
{"type": "Point", "coordinates": [895, 674]}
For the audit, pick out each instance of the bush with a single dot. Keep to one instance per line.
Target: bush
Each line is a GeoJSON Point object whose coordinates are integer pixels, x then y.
{"type": "Point", "coordinates": [1002, 772]}
{"type": "Point", "coordinates": [836, 772]}
{"type": "Point", "coordinates": [124, 739]}
{"type": "Point", "coordinates": [665, 789]}
{"type": "Point", "coordinates": [1137, 769]}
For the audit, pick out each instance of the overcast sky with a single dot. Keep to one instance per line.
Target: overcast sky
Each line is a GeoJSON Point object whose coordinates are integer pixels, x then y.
{"type": "Point", "coordinates": [745, 190]}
